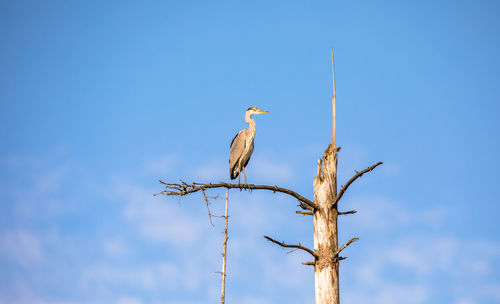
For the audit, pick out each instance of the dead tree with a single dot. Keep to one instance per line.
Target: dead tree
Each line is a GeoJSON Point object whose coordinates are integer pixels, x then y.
{"type": "Point", "coordinates": [323, 208]}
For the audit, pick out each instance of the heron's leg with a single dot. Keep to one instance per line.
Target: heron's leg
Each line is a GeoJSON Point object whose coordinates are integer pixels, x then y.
{"type": "Point", "coordinates": [244, 176]}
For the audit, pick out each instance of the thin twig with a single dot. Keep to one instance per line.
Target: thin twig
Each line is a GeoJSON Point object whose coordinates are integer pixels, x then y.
{"type": "Point", "coordinates": [349, 182]}
{"type": "Point", "coordinates": [299, 246]}
{"type": "Point", "coordinates": [208, 208]}
{"type": "Point", "coordinates": [348, 212]}
{"type": "Point", "coordinates": [309, 263]}
{"type": "Point", "coordinates": [304, 212]}
{"type": "Point", "coordinates": [183, 189]}
{"type": "Point", "coordinates": [345, 245]}
{"type": "Point", "coordinates": [223, 288]}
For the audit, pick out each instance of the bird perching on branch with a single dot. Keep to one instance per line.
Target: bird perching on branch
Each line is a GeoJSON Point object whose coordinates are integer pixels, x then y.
{"type": "Point", "coordinates": [242, 146]}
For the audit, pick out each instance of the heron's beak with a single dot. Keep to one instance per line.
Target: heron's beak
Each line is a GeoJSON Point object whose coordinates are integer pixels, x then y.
{"type": "Point", "coordinates": [262, 112]}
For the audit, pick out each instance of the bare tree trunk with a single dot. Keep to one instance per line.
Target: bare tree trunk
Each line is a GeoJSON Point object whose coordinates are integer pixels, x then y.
{"type": "Point", "coordinates": [326, 268]}
{"type": "Point", "coordinates": [326, 272]}
{"type": "Point", "coordinates": [223, 288]}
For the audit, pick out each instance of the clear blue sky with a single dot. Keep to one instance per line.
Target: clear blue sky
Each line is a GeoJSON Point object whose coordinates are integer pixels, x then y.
{"type": "Point", "coordinates": [100, 99]}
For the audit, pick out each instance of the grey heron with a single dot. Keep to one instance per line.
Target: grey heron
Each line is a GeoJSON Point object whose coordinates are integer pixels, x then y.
{"type": "Point", "coordinates": [242, 146]}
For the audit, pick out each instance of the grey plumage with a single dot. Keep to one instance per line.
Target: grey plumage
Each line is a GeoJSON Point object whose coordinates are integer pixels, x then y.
{"type": "Point", "coordinates": [242, 146]}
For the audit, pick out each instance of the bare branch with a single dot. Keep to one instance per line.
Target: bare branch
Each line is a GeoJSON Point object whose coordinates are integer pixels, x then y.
{"type": "Point", "coordinates": [348, 212]}
{"type": "Point", "coordinates": [183, 189]}
{"type": "Point", "coordinates": [349, 182]}
{"type": "Point", "coordinates": [304, 212]}
{"type": "Point", "coordinates": [309, 263]}
{"type": "Point", "coordinates": [223, 287]}
{"type": "Point", "coordinates": [299, 246]}
{"type": "Point", "coordinates": [208, 208]}
{"type": "Point", "coordinates": [345, 245]}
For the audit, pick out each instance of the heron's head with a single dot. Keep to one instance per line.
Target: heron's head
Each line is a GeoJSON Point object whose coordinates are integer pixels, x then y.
{"type": "Point", "coordinates": [254, 110]}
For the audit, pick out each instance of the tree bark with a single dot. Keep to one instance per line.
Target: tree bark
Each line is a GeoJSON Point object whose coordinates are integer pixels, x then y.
{"type": "Point", "coordinates": [326, 271]}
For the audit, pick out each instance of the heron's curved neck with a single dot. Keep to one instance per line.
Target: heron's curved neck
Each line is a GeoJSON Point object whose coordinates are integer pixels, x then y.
{"type": "Point", "coordinates": [251, 127]}
{"type": "Point", "coordinates": [250, 121]}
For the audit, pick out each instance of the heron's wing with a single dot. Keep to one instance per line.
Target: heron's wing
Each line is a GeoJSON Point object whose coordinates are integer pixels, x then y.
{"type": "Point", "coordinates": [247, 157]}
{"type": "Point", "coordinates": [237, 148]}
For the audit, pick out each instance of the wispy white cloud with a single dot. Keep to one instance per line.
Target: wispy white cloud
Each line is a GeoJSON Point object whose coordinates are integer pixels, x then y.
{"type": "Point", "coordinates": [422, 258]}
{"type": "Point", "coordinates": [387, 294]}
{"type": "Point", "coordinates": [148, 277]}
{"type": "Point", "coordinates": [129, 300]}
{"type": "Point", "coordinates": [37, 183]}
{"type": "Point", "coordinates": [254, 300]}
{"type": "Point", "coordinates": [214, 170]}
{"type": "Point", "coordinates": [162, 165]}
{"type": "Point", "coordinates": [38, 300]}
{"type": "Point", "coordinates": [190, 250]}
{"type": "Point", "coordinates": [273, 170]}
{"type": "Point", "coordinates": [115, 248]}
{"type": "Point", "coordinates": [433, 255]}
{"type": "Point", "coordinates": [22, 246]}
{"type": "Point", "coordinates": [382, 213]}
{"type": "Point", "coordinates": [465, 300]}
{"type": "Point", "coordinates": [156, 219]}
{"type": "Point", "coordinates": [424, 261]}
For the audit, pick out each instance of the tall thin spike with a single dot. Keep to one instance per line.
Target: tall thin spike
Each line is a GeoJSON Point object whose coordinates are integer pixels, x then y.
{"type": "Point", "coordinates": [333, 102]}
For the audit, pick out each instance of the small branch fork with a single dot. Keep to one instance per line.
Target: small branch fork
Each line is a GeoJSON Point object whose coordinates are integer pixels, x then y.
{"type": "Point", "coordinates": [207, 202]}
{"type": "Point", "coordinates": [349, 182]}
{"type": "Point", "coordinates": [299, 246]}
{"type": "Point", "coordinates": [184, 188]}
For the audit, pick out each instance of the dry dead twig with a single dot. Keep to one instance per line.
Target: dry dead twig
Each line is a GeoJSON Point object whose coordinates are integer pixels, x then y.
{"type": "Point", "coordinates": [350, 181]}
{"type": "Point", "coordinates": [345, 245]}
{"type": "Point", "coordinates": [284, 245]}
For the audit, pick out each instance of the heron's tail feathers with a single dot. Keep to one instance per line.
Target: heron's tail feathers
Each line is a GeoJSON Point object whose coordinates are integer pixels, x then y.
{"type": "Point", "coordinates": [233, 173]}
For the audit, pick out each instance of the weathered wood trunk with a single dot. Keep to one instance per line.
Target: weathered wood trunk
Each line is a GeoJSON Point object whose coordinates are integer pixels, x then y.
{"type": "Point", "coordinates": [326, 269]}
